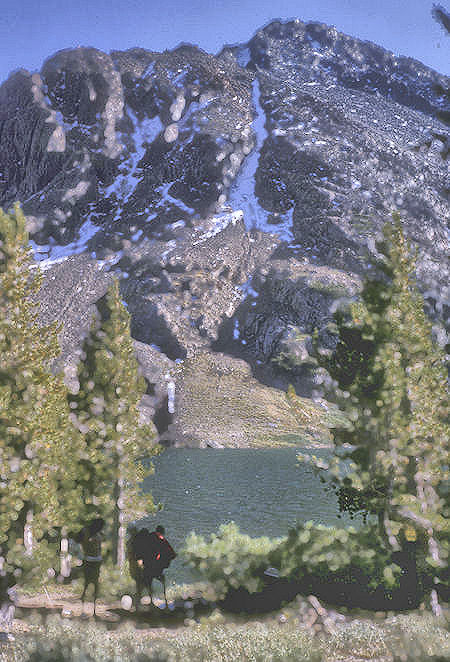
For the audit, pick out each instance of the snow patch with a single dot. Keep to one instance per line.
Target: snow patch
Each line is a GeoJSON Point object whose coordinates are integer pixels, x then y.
{"type": "Point", "coordinates": [144, 133]}
{"type": "Point", "coordinates": [57, 140]}
{"type": "Point", "coordinates": [74, 194]}
{"type": "Point", "coordinates": [171, 133]}
{"type": "Point", "coordinates": [149, 71]}
{"type": "Point", "coordinates": [167, 198]}
{"type": "Point", "coordinates": [177, 107]}
{"type": "Point", "coordinates": [56, 253]}
{"type": "Point", "coordinates": [242, 192]}
{"type": "Point", "coordinates": [171, 246]}
{"type": "Point", "coordinates": [218, 224]}
{"type": "Point", "coordinates": [247, 289]}
{"type": "Point", "coordinates": [171, 397]}
{"type": "Point", "coordinates": [136, 235]}
{"type": "Point", "coordinates": [110, 261]}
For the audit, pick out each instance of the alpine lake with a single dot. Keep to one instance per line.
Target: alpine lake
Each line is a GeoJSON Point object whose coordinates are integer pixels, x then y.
{"type": "Point", "coordinates": [264, 491]}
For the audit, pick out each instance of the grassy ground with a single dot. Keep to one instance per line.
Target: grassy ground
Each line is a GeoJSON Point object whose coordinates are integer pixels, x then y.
{"type": "Point", "coordinates": [193, 629]}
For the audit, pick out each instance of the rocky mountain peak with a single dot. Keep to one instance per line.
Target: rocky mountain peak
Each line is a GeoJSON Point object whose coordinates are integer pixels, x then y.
{"type": "Point", "coordinates": [236, 196]}
{"type": "Point", "coordinates": [85, 88]}
{"type": "Point", "coordinates": [320, 52]}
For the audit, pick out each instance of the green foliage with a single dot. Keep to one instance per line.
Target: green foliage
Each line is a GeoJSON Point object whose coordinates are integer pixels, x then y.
{"type": "Point", "coordinates": [38, 446]}
{"type": "Point", "coordinates": [391, 458]}
{"type": "Point", "coordinates": [320, 555]}
{"type": "Point", "coordinates": [55, 475]}
{"type": "Point", "coordinates": [317, 558]}
{"type": "Point", "coordinates": [105, 411]}
{"type": "Point", "coordinates": [390, 381]}
{"type": "Point", "coordinates": [230, 559]}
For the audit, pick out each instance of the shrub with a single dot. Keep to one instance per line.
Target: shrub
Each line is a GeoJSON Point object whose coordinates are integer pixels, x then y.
{"type": "Point", "coordinates": [347, 566]}
{"type": "Point", "coordinates": [230, 559]}
{"type": "Point", "coordinates": [342, 566]}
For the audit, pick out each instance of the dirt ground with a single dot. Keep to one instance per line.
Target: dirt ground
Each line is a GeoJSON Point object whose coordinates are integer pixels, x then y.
{"type": "Point", "coordinates": [111, 614]}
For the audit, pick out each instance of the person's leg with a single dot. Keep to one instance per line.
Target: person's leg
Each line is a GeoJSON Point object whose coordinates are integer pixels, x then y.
{"type": "Point", "coordinates": [163, 579]}
{"type": "Point", "coordinates": [95, 592]}
{"type": "Point", "coordinates": [149, 584]}
{"type": "Point", "coordinates": [139, 587]}
{"type": "Point", "coordinates": [86, 582]}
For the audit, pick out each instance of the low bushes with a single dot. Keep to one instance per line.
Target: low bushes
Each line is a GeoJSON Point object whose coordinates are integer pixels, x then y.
{"type": "Point", "coordinates": [343, 566]}
{"type": "Point", "coordinates": [230, 559]}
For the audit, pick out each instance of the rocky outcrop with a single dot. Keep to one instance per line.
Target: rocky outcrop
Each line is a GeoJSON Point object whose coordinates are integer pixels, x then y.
{"type": "Point", "coordinates": [220, 404]}
{"type": "Point", "coordinates": [237, 198]}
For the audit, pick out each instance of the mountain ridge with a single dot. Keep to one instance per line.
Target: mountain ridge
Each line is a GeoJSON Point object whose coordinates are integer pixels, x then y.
{"type": "Point", "coordinates": [236, 196]}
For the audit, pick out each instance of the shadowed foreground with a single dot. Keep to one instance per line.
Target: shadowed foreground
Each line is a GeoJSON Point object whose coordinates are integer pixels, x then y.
{"type": "Point", "coordinates": [195, 629]}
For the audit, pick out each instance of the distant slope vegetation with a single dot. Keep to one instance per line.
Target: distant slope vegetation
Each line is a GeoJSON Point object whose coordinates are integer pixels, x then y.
{"type": "Point", "coordinates": [236, 196]}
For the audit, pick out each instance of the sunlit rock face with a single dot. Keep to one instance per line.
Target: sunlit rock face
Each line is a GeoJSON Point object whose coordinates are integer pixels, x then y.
{"type": "Point", "coordinates": [237, 197]}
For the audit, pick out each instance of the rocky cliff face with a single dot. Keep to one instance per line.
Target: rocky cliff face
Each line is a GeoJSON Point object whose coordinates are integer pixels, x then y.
{"type": "Point", "coordinates": [236, 197]}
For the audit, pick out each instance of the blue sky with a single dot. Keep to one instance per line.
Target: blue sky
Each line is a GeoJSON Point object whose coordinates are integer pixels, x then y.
{"type": "Point", "coordinates": [32, 30]}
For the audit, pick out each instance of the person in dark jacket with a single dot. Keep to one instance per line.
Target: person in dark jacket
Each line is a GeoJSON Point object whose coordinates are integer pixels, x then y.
{"type": "Point", "coordinates": [149, 554]}
{"type": "Point", "coordinates": [90, 540]}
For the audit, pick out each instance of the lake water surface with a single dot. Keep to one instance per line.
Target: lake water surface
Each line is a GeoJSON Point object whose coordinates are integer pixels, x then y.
{"type": "Point", "coordinates": [265, 491]}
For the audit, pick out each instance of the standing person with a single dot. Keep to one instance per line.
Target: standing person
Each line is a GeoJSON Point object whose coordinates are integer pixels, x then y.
{"type": "Point", "coordinates": [149, 555]}
{"type": "Point", "coordinates": [90, 540]}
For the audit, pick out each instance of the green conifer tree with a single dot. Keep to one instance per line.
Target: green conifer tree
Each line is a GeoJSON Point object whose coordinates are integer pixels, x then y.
{"type": "Point", "coordinates": [105, 409]}
{"type": "Point", "coordinates": [390, 379]}
{"type": "Point", "coordinates": [38, 445]}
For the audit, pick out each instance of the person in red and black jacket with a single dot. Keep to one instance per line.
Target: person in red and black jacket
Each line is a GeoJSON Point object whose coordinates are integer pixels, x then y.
{"type": "Point", "coordinates": [149, 554]}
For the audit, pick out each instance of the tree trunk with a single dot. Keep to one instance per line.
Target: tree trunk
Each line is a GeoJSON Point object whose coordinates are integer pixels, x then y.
{"type": "Point", "coordinates": [121, 555]}
{"type": "Point", "coordinates": [115, 525]}
{"type": "Point", "coordinates": [118, 550]}
{"type": "Point", "coordinates": [28, 542]}
{"type": "Point", "coordinates": [435, 606]}
{"type": "Point", "coordinates": [65, 568]}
